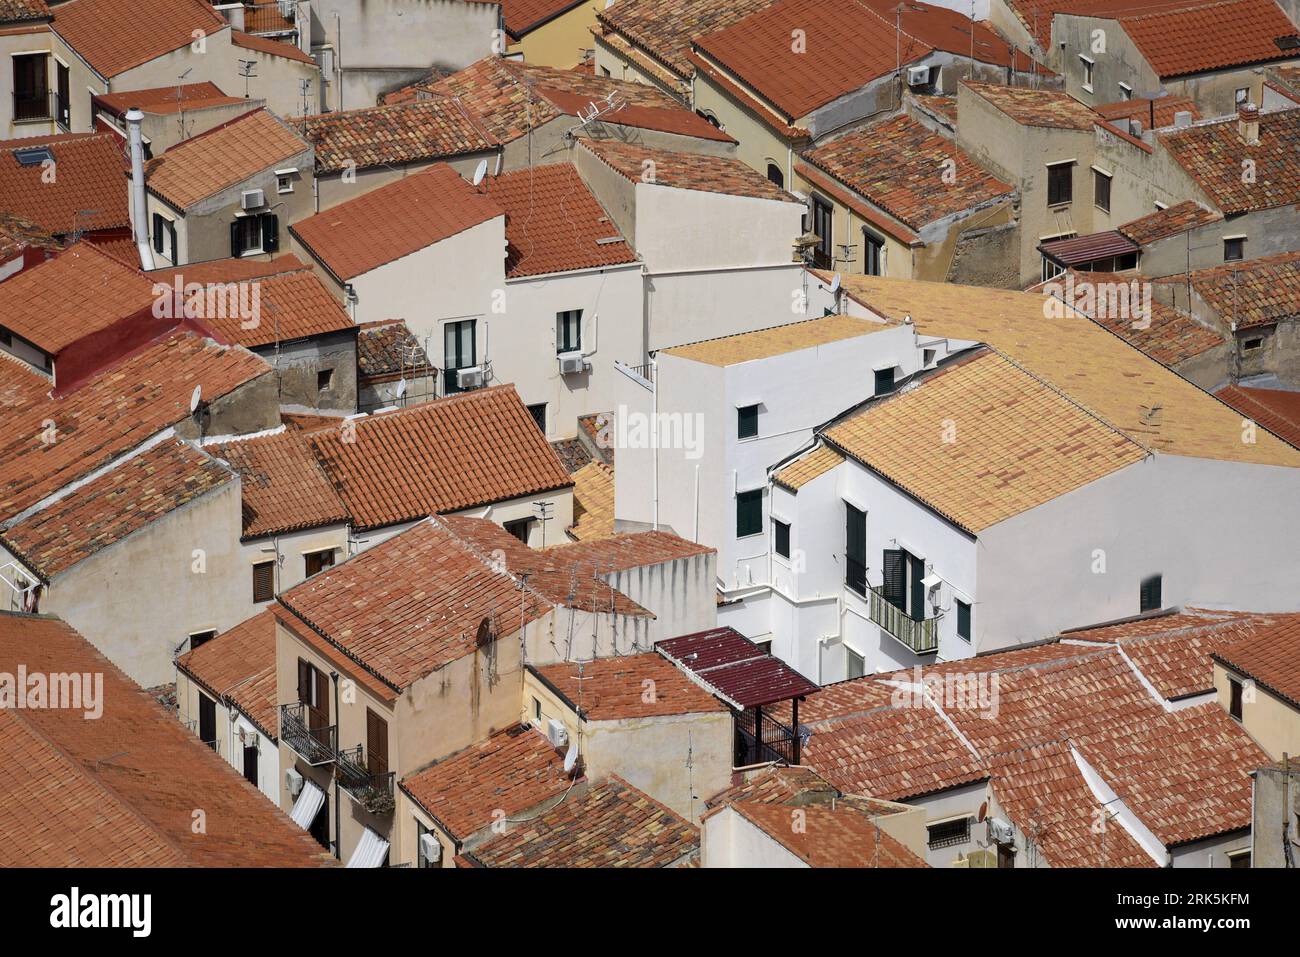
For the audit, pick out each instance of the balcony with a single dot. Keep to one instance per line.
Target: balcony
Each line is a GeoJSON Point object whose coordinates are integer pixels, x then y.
{"type": "Point", "coordinates": [314, 744]}
{"type": "Point", "coordinates": [855, 575]}
{"type": "Point", "coordinates": [920, 635]}
{"type": "Point", "coordinates": [372, 790]}
{"type": "Point", "coordinates": [33, 107]}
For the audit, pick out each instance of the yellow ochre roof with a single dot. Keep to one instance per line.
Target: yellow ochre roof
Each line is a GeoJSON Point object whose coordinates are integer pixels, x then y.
{"type": "Point", "coordinates": [802, 471]}
{"type": "Point", "coordinates": [765, 343]}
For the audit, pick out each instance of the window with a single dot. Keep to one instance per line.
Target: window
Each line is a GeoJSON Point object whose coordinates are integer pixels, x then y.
{"type": "Point", "coordinates": [254, 235]}
{"type": "Point", "coordinates": [457, 352]}
{"type": "Point", "coordinates": [1241, 96]}
{"type": "Point", "coordinates": [1101, 190]}
{"type": "Point", "coordinates": [873, 254]}
{"type": "Point", "coordinates": [1060, 184]}
{"type": "Point", "coordinates": [284, 183]}
{"type": "Point", "coordinates": [1253, 344]}
{"type": "Point", "coordinates": [201, 638]}
{"type": "Point", "coordinates": [1087, 72]}
{"type": "Point", "coordinates": [781, 537]}
{"type": "Point", "coordinates": [749, 513]}
{"type": "Point", "coordinates": [538, 412]}
{"type": "Point", "coordinates": [1149, 598]}
{"type": "Point", "coordinates": [855, 666]}
{"type": "Point", "coordinates": [710, 118]}
{"type": "Point", "coordinates": [31, 87]}
{"type": "Point", "coordinates": [774, 175]}
{"type": "Point", "coordinates": [855, 548]}
{"type": "Point", "coordinates": [318, 561]}
{"type": "Point", "coordinates": [884, 381]}
{"type": "Point", "coordinates": [63, 95]}
{"type": "Point", "coordinates": [263, 582]}
{"type": "Point", "coordinates": [520, 528]}
{"type": "Point", "coordinates": [537, 711]}
{"type": "Point", "coordinates": [1234, 698]}
{"type": "Point", "coordinates": [320, 825]}
{"type": "Point", "coordinates": [376, 743]}
{"type": "Point", "coordinates": [314, 694]}
{"type": "Point", "coordinates": [1125, 91]}
{"type": "Point", "coordinates": [963, 620]}
{"type": "Point", "coordinates": [420, 829]}
{"type": "Point", "coordinates": [207, 721]}
{"type": "Point", "coordinates": [568, 331]}
{"type": "Point", "coordinates": [164, 237]}
{"type": "Point", "coordinates": [948, 833]}
{"type": "Point", "coordinates": [324, 380]}
{"type": "Point", "coordinates": [902, 575]}
{"type": "Point", "coordinates": [1051, 269]}
{"type": "Point", "coordinates": [1239, 859]}
{"type": "Point", "coordinates": [747, 422]}
{"type": "Point", "coordinates": [1234, 249]}
{"type": "Point", "coordinates": [823, 229]}
{"type": "Point", "coordinates": [250, 764]}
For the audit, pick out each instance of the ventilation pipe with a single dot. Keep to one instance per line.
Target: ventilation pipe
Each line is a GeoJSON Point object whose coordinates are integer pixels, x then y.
{"type": "Point", "coordinates": [139, 209]}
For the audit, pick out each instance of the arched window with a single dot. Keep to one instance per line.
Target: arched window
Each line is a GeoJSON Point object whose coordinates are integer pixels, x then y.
{"type": "Point", "coordinates": [775, 175]}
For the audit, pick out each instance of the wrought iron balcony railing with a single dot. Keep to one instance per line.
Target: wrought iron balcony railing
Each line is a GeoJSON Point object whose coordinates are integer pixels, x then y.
{"type": "Point", "coordinates": [855, 575]}
{"type": "Point", "coordinates": [373, 790]}
{"type": "Point", "coordinates": [315, 744]}
{"type": "Point", "coordinates": [920, 635]}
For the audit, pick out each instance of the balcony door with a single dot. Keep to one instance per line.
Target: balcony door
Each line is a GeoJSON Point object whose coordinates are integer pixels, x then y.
{"type": "Point", "coordinates": [313, 691]}
{"type": "Point", "coordinates": [376, 744]}
{"type": "Point", "coordinates": [457, 352]}
{"type": "Point", "coordinates": [63, 98]}
{"type": "Point", "coordinates": [31, 87]}
{"type": "Point", "coordinates": [855, 549]}
{"type": "Point", "coordinates": [903, 573]}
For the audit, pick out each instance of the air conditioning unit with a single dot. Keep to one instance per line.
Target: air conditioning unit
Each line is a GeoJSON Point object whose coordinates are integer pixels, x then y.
{"type": "Point", "coordinates": [1000, 831]}
{"type": "Point", "coordinates": [252, 199]}
{"type": "Point", "coordinates": [918, 75]}
{"type": "Point", "coordinates": [557, 733]}
{"type": "Point", "coordinates": [572, 363]}
{"type": "Point", "coordinates": [294, 780]}
{"type": "Point", "coordinates": [471, 378]}
{"type": "Point", "coordinates": [430, 848]}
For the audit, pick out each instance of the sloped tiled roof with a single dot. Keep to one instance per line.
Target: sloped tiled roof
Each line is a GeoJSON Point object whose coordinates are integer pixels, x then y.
{"type": "Point", "coordinates": [778, 340]}
{"type": "Point", "coordinates": [1256, 292]}
{"type": "Point", "coordinates": [115, 35]}
{"type": "Point", "coordinates": [89, 190]}
{"type": "Point", "coordinates": [270, 47]}
{"type": "Point", "coordinates": [1164, 223]}
{"type": "Point", "coordinates": [734, 668]}
{"type": "Point", "coordinates": [397, 466]}
{"type": "Point", "coordinates": [664, 28]}
{"type": "Point", "coordinates": [510, 772]}
{"type": "Point", "coordinates": [628, 550]}
{"type": "Point", "coordinates": [17, 234]}
{"type": "Point", "coordinates": [1213, 154]}
{"type": "Point", "coordinates": [1143, 108]}
{"type": "Point", "coordinates": [394, 220]}
{"type": "Point", "coordinates": [1245, 32]}
{"type": "Point", "coordinates": [239, 666]}
{"type": "Point", "coordinates": [389, 347]}
{"type": "Point", "coordinates": [899, 165]}
{"type": "Point", "coordinates": [403, 133]}
{"type": "Point", "coordinates": [12, 11]}
{"type": "Point", "coordinates": [1271, 657]}
{"type": "Point", "coordinates": [1052, 109]}
{"type": "Point", "coordinates": [121, 790]}
{"type": "Point", "coordinates": [113, 506]}
{"type": "Point", "coordinates": [709, 174]}
{"type": "Point", "coordinates": [283, 486]}
{"type": "Point", "coordinates": [167, 99]}
{"type": "Point", "coordinates": [1036, 15]}
{"type": "Point", "coordinates": [523, 16]}
{"type": "Point", "coordinates": [803, 470]}
{"type": "Point", "coordinates": [1274, 409]}
{"type": "Point", "coordinates": [614, 689]}
{"type": "Point", "coordinates": [839, 836]}
{"type": "Point", "coordinates": [593, 502]}
{"type": "Point", "coordinates": [554, 223]}
{"type": "Point", "coordinates": [221, 157]}
{"type": "Point", "coordinates": [265, 18]}
{"type": "Point", "coordinates": [611, 824]}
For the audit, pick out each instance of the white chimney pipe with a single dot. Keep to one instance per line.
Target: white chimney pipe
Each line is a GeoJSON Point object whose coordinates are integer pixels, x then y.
{"type": "Point", "coordinates": [139, 208]}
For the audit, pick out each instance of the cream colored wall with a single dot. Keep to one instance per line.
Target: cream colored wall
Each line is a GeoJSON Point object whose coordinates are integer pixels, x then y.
{"type": "Point", "coordinates": [36, 42]}
{"type": "Point", "coordinates": [332, 190]}
{"type": "Point", "coordinates": [758, 142]}
{"type": "Point", "coordinates": [729, 840]}
{"type": "Point", "coordinates": [561, 42]}
{"type": "Point", "coordinates": [290, 550]}
{"type": "Point", "coordinates": [1273, 723]}
{"type": "Point", "coordinates": [620, 68]}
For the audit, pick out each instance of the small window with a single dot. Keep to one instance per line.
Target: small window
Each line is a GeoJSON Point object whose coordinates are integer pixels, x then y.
{"type": "Point", "coordinates": [420, 860]}
{"type": "Point", "coordinates": [747, 422]}
{"type": "Point", "coordinates": [201, 638]}
{"type": "Point", "coordinates": [263, 582]}
{"type": "Point", "coordinates": [884, 381]}
{"type": "Point", "coordinates": [963, 620]}
{"type": "Point", "coordinates": [1060, 184]}
{"type": "Point", "coordinates": [1239, 859]}
{"type": "Point", "coordinates": [324, 380]}
{"type": "Point", "coordinates": [1101, 190]}
{"type": "Point", "coordinates": [948, 833]}
{"type": "Point", "coordinates": [284, 184]}
{"type": "Point", "coordinates": [1234, 250]}
{"type": "Point", "coordinates": [317, 562]}
{"type": "Point", "coordinates": [207, 721]}
{"type": "Point", "coordinates": [749, 513]}
{"type": "Point", "coordinates": [1234, 698]}
{"type": "Point", "coordinates": [568, 331]}
{"type": "Point", "coordinates": [764, 646]}
{"type": "Point", "coordinates": [520, 528]}
{"type": "Point", "coordinates": [774, 175]}
{"type": "Point", "coordinates": [1150, 594]}
{"type": "Point", "coordinates": [1253, 344]}
{"type": "Point", "coordinates": [855, 666]}
{"type": "Point", "coordinates": [537, 710]}
{"type": "Point", "coordinates": [538, 412]}
{"type": "Point", "coordinates": [1087, 72]}
{"type": "Point", "coordinates": [781, 537]}
{"type": "Point", "coordinates": [1241, 96]}
{"type": "Point", "coordinates": [873, 254]}
{"type": "Point", "coordinates": [1125, 91]}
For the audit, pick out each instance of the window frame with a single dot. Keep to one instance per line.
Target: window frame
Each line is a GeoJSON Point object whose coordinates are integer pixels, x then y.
{"type": "Point", "coordinates": [1236, 698]}
{"type": "Point", "coordinates": [1054, 169]}
{"type": "Point", "coordinates": [1089, 66]}
{"type": "Point", "coordinates": [963, 607]}
{"type": "Point", "coordinates": [747, 415]}
{"type": "Point", "coordinates": [960, 833]}
{"type": "Point", "coordinates": [780, 530]}
{"type": "Point", "coordinates": [1147, 583]}
{"type": "Point", "coordinates": [318, 555]}
{"type": "Point", "coordinates": [263, 564]}
{"type": "Point", "coordinates": [873, 253]}
{"type": "Point", "coordinates": [1098, 177]}
{"type": "Point", "coordinates": [749, 497]}
{"type": "Point", "coordinates": [893, 381]}
{"type": "Point", "coordinates": [1240, 242]}
{"type": "Point", "coordinates": [566, 321]}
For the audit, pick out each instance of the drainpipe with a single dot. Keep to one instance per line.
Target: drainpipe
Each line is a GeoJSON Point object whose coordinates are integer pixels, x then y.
{"type": "Point", "coordinates": [138, 206]}
{"type": "Point", "coordinates": [338, 725]}
{"type": "Point", "coordinates": [654, 445]}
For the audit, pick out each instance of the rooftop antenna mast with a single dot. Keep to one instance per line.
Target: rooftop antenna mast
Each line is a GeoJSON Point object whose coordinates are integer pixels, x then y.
{"type": "Point", "coordinates": [180, 99]}
{"type": "Point", "coordinates": [246, 70]}
{"type": "Point", "coordinates": [544, 515]}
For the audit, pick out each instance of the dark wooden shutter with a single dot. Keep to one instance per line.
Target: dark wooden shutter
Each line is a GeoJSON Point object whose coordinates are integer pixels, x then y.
{"type": "Point", "coordinates": [270, 232]}
{"type": "Point", "coordinates": [157, 233]}
{"type": "Point", "coordinates": [963, 620]}
{"type": "Point", "coordinates": [250, 765]}
{"type": "Point", "coordinates": [304, 682]}
{"type": "Point", "coordinates": [236, 240]}
{"type": "Point", "coordinates": [263, 581]}
{"type": "Point", "coordinates": [376, 743]}
{"type": "Point", "coordinates": [207, 721]}
{"type": "Point", "coordinates": [322, 705]}
{"type": "Point", "coordinates": [173, 249]}
{"type": "Point", "coordinates": [894, 568]}
{"type": "Point", "coordinates": [1149, 599]}
{"type": "Point", "coordinates": [918, 590]}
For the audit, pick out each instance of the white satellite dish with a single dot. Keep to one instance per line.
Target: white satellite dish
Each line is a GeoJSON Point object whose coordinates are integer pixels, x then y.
{"type": "Point", "coordinates": [571, 756]}
{"type": "Point", "coordinates": [835, 283]}
{"type": "Point", "coordinates": [195, 397]}
{"type": "Point", "coordinates": [401, 388]}
{"type": "Point", "coordinates": [480, 171]}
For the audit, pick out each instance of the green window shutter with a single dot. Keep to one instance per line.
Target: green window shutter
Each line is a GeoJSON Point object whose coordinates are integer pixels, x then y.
{"type": "Point", "coordinates": [270, 232]}
{"type": "Point", "coordinates": [749, 513]}
{"type": "Point", "coordinates": [781, 536]}
{"type": "Point", "coordinates": [894, 570]}
{"type": "Point", "coordinates": [747, 422]}
{"type": "Point", "coordinates": [1150, 594]}
{"type": "Point", "coordinates": [963, 620]}
{"type": "Point", "coordinates": [236, 241]}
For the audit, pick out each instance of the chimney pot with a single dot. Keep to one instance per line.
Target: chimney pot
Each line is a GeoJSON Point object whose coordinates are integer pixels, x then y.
{"type": "Point", "coordinates": [1248, 124]}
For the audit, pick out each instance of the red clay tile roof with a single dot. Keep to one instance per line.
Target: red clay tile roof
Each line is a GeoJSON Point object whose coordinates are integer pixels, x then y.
{"type": "Point", "coordinates": [614, 689]}
{"type": "Point", "coordinates": [1244, 32]}
{"type": "Point", "coordinates": [734, 668]}
{"type": "Point", "coordinates": [284, 487]}
{"type": "Point", "coordinates": [829, 837]}
{"type": "Point", "coordinates": [709, 174]}
{"type": "Point", "coordinates": [18, 234]}
{"type": "Point", "coordinates": [1274, 409]}
{"type": "Point", "coordinates": [1256, 292]}
{"type": "Point", "coordinates": [222, 157]}
{"type": "Point", "coordinates": [464, 451]}
{"type": "Point", "coordinates": [89, 191]}
{"type": "Point", "coordinates": [663, 29]}
{"type": "Point", "coordinates": [1213, 153]}
{"type": "Point", "coordinates": [265, 18]}
{"type": "Point", "coordinates": [121, 791]}
{"type": "Point", "coordinates": [412, 604]}
{"type": "Point", "coordinates": [12, 11]}
{"type": "Point", "coordinates": [523, 16]}
{"type": "Point", "coordinates": [610, 824]}
{"type": "Point", "coordinates": [1036, 15]}
{"type": "Point", "coordinates": [1271, 657]}
{"type": "Point", "coordinates": [553, 222]}
{"type": "Point", "coordinates": [628, 550]}
{"type": "Point", "coordinates": [389, 347]}
{"type": "Point", "coordinates": [899, 165]}
{"type": "Point", "coordinates": [270, 47]}
{"type": "Point", "coordinates": [164, 99]}
{"type": "Point", "coordinates": [1142, 108]}
{"type": "Point", "coordinates": [115, 35]}
{"type": "Point", "coordinates": [394, 220]}
{"type": "Point", "coordinates": [403, 133]}
{"type": "Point", "coordinates": [113, 506]}
{"type": "Point", "coordinates": [511, 772]}
{"type": "Point", "coordinates": [238, 666]}
{"type": "Point", "coordinates": [1164, 223]}
{"type": "Point", "coordinates": [1080, 250]}
{"type": "Point", "coordinates": [1034, 107]}
{"type": "Point", "coordinates": [111, 413]}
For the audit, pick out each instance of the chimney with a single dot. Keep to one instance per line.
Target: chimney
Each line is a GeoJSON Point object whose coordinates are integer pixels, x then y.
{"type": "Point", "coordinates": [1248, 124]}
{"type": "Point", "coordinates": [1135, 127]}
{"type": "Point", "coordinates": [1182, 119]}
{"type": "Point", "coordinates": [139, 208]}
{"type": "Point", "coordinates": [234, 14]}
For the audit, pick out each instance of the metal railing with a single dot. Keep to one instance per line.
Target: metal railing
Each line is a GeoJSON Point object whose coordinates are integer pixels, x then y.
{"type": "Point", "coordinates": [42, 106]}
{"type": "Point", "coordinates": [920, 635]}
{"type": "Point", "coordinates": [761, 738]}
{"type": "Point", "coordinates": [855, 575]}
{"type": "Point", "coordinates": [314, 744]}
{"type": "Point", "coordinates": [373, 790]}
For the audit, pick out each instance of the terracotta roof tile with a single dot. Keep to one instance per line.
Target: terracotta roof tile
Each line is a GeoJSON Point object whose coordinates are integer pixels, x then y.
{"type": "Point", "coordinates": [510, 772]}
{"type": "Point", "coordinates": [554, 223]}
{"type": "Point", "coordinates": [841, 836]}
{"type": "Point", "coordinates": [803, 470]}
{"type": "Point", "coordinates": [398, 465]}
{"type": "Point", "coordinates": [1274, 409]}
{"type": "Point", "coordinates": [115, 35]}
{"type": "Point", "coordinates": [1212, 154]}
{"type": "Point", "coordinates": [221, 157]}
{"type": "Point", "coordinates": [1164, 109]}
{"type": "Point", "coordinates": [627, 550]}
{"type": "Point", "coordinates": [18, 234]}
{"type": "Point", "coordinates": [120, 791]}
{"type": "Point", "coordinates": [1244, 31]}
{"type": "Point", "coordinates": [388, 347]}
{"type": "Point", "coordinates": [167, 99]}
{"type": "Point", "coordinates": [90, 187]}
{"type": "Point", "coordinates": [114, 506]}
{"type": "Point", "coordinates": [1082, 250]}
{"type": "Point", "coordinates": [284, 487]}
{"type": "Point", "coordinates": [1271, 657]}
{"type": "Point", "coordinates": [1036, 107]}
{"type": "Point", "coordinates": [394, 220]}
{"type": "Point", "coordinates": [611, 824]}
{"type": "Point", "coordinates": [614, 689]}
{"type": "Point", "coordinates": [265, 18]}
{"type": "Point", "coordinates": [709, 174]}
{"type": "Point", "coordinates": [664, 28]}
{"type": "Point", "coordinates": [12, 11]}
{"type": "Point", "coordinates": [734, 668]}
{"type": "Point", "coordinates": [593, 502]}
{"type": "Point", "coordinates": [523, 16]}
{"type": "Point", "coordinates": [238, 666]}
{"type": "Point", "coordinates": [1256, 292]}
{"type": "Point", "coordinates": [900, 166]}
{"type": "Point", "coordinates": [1036, 15]}
{"type": "Point", "coordinates": [385, 135]}
{"type": "Point", "coordinates": [1164, 223]}
{"type": "Point", "coordinates": [270, 47]}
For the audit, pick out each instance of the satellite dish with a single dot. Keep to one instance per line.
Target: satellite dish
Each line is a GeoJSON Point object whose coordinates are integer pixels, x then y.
{"type": "Point", "coordinates": [835, 283]}
{"type": "Point", "coordinates": [195, 397]}
{"type": "Point", "coordinates": [401, 388]}
{"type": "Point", "coordinates": [484, 636]}
{"type": "Point", "coordinates": [480, 171]}
{"type": "Point", "coordinates": [984, 811]}
{"type": "Point", "coordinates": [571, 756]}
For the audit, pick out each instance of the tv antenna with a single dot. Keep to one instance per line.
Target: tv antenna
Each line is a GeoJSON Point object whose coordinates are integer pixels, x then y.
{"type": "Point", "coordinates": [247, 70]}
